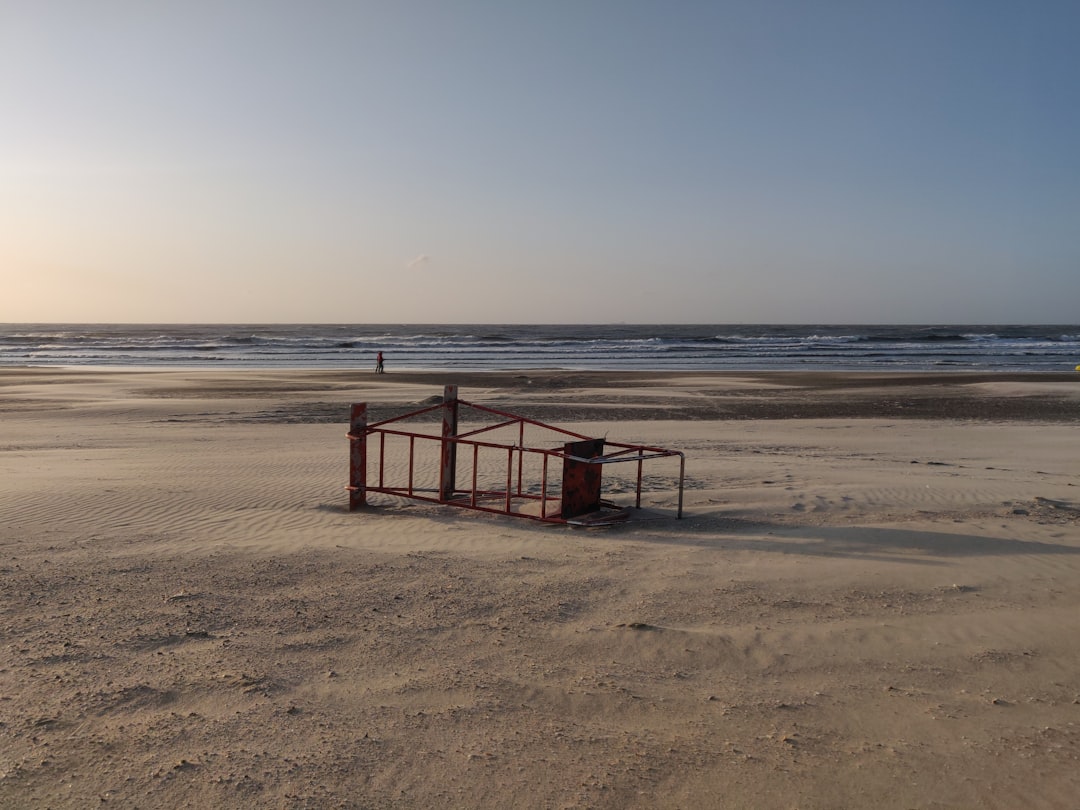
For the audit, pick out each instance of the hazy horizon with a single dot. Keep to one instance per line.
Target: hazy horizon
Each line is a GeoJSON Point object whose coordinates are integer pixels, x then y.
{"type": "Point", "coordinates": [908, 324]}
{"type": "Point", "coordinates": [569, 324]}
{"type": "Point", "coordinates": [483, 163]}
{"type": "Point", "coordinates": [686, 347]}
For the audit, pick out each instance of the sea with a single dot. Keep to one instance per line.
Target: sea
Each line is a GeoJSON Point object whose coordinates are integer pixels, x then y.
{"type": "Point", "coordinates": [683, 347]}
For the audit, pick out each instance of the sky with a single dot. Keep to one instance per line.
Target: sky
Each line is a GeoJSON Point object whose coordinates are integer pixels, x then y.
{"type": "Point", "coordinates": [565, 161]}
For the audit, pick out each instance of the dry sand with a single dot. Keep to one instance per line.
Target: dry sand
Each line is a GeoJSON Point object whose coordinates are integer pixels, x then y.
{"type": "Point", "coordinates": [873, 600]}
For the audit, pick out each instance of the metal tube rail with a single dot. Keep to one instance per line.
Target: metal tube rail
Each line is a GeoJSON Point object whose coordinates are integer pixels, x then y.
{"type": "Point", "coordinates": [616, 452]}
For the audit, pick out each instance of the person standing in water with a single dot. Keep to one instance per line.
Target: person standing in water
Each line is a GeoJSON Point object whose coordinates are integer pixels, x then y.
{"type": "Point", "coordinates": [379, 364]}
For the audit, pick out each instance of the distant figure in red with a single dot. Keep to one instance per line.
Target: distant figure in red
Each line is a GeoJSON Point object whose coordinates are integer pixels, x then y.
{"type": "Point", "coordinates": [378, 364]}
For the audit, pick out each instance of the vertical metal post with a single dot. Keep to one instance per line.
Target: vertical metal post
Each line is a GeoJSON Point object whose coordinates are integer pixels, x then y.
{"type": "Point", "coordinates": [682, 478]}
{"type": "Point", "coordinates": [358, 456]}
{"type": "Point", "coordinates": [475, 464]}
{"type": "Point", "coordinates": [412, 453]}
{"type": "Point", "coordinates": [382, 458]}
{"type": "Point", "coordinates": [448, 466]}
{"type": "Point", "coordinates": [640, 462]}
{"type": "Point", "coordinates": [521, 454]}
{"type": "Point", "coordinates": [543, 488]}
{"type": "Point", "coordinates": [509, 476]}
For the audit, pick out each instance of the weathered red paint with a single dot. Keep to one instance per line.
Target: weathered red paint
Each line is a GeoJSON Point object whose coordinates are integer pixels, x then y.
{"type": "Point", "coordinates": [580, 479]}
{"type": "Point", "coordinates": [583, 460]}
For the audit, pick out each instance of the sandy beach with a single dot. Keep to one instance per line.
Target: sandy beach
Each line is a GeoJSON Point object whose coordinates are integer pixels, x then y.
{"type": "Point", "coordinates": [873, 599]}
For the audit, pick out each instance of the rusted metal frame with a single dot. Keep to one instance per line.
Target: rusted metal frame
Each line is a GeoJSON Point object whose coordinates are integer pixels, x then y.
{"type": "Point", "coordinates": [543, 488]}
{"type": "Point", "coordinates": [392, 432]}
{"type": "Point", "coordinates": [412, 448]}
{"type": "Point", "coordinates": [611, 458]}
{"type": "Point", "coordinates": [512, 418]}
{"type": "Point", "coordinates": [621, 455]}
{"type": "Point", "coordinates": [521, 432]}
{"type": "Point", "coordinates": [456, 439]}
{"type": "Point", "coordinates": [637, 493]}
{"type": "Point", "coordinates": [520, 422]}
{"type": "Point", "coordinates": [617, 460]}
{"type": "Point", "coordinates": [477, 508]}
{"type": "Point", "coordinates": [488, 427]}
{"type": "Point", "coordinates": [475, 465]}
{"type": "Point", "coordinates": [637, 448]}
{"type": "Point", "coordinates": [412, 437]}
{"type": "Point", "coordinates": [640, 448]}
{"type": "Point", "coordinates": [506, 495]}
{"type": "Point", "coordinates": [509, 475]}
{"type": "Point", "coordinates": [498, 493]}
{"type": "Point", "coordinates": [382, 455]}
{"type": "Point", "coordinates": [518, 418]}
{"type": "Point", "coordinates": [403, 492]}
{"type": "Point", "coordinates": [415, 496]}
{"type": "Point", "coordinates": [682, 475]}
{"type": "Point", "coordinates": [505, 510]}
{"type": "Point", "coordinates": [640, 458]}
{"type": "Point", "coordinates": [544, 498]}
{"type": "Point", "coordinates": [405, 416]}
{"type": "Point", "coordinates": [410, 490]}
{"type": "Point", "coordinates": [542, 517]}
{"type": "Point", "coordinates": [521, 455]}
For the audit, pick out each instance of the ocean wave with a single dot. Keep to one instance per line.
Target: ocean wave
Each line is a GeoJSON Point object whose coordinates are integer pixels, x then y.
{"type": "Point", "coordinates": [704, 347]}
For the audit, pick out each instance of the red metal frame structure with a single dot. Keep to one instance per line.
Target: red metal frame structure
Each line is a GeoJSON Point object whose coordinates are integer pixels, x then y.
{"type": "Point", "coordinates": [578, 501]}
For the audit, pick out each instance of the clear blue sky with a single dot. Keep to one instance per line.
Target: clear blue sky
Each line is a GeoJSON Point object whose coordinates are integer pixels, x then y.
{"type": "Point", "coordinates": [557, 161]}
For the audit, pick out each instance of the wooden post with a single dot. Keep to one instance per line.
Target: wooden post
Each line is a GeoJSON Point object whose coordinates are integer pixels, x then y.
{"type": "Point", "coordinates": [448, 467]}
{"type": "Point", "coordinates": [358, 456]}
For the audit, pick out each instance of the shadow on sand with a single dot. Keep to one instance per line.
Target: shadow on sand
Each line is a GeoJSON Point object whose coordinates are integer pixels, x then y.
{"type": "Point", "coordinates": [863, 542]}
